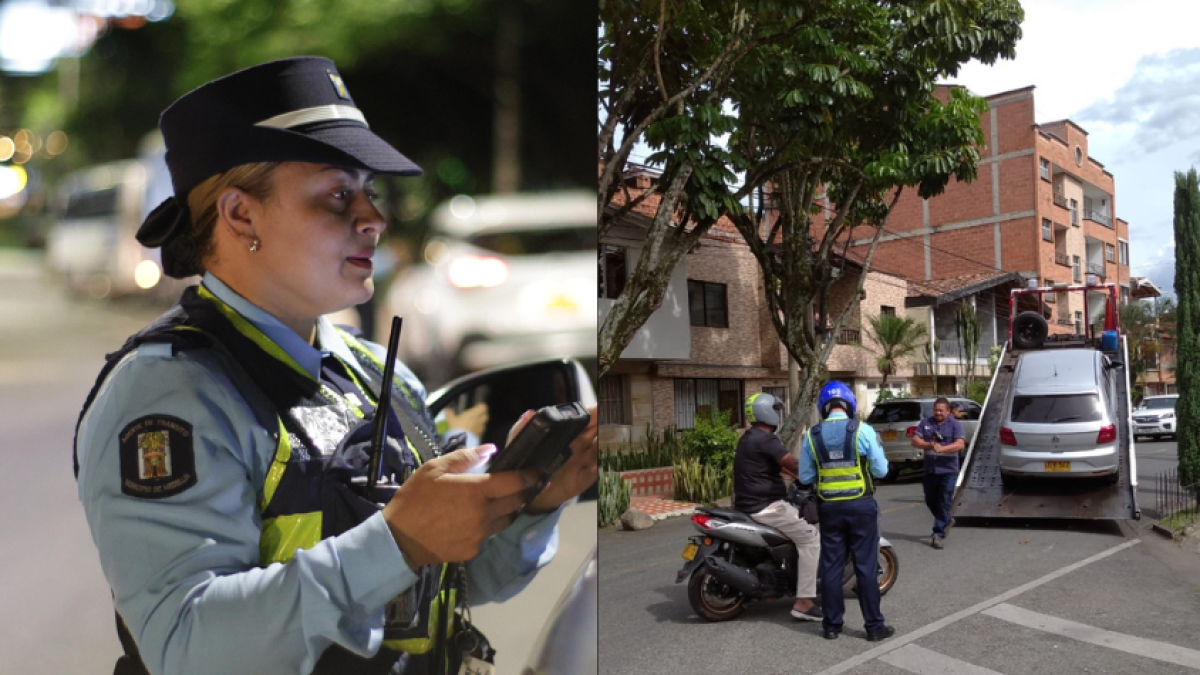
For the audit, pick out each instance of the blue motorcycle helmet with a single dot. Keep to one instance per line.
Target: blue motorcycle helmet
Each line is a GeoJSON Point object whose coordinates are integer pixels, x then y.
{"type": "Point", "coordinates": [837, 392]}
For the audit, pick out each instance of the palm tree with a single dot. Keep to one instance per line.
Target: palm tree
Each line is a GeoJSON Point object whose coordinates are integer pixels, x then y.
{"type": "Point", "coordinates": [896, 338]}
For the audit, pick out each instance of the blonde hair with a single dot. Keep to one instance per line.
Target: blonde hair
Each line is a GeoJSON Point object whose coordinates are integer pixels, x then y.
{"type": "Point", "coordinates": [191, 249]}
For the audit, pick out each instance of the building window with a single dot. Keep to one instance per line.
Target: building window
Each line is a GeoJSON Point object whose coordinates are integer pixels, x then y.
{"type": "Point", "coordinates": [612, 271]}
{"type": "Point", "coordinates": [1109, 253]}
{"type": "Point", "coordinates": [1124, 295]}
{"type": "Point", "coordinates": [693, 397]}
{"type": "Point", "coordinates": [612, 400]}
{"type": "Point", "coordinates": [884, 310]}
{"type": "Point", "coordinates": [1047, 230]}
{"type": "Point", "coordinates": [1075, 213]}
{"type": "Point", "coordinates": [706, 301]}
{"type": "Point", "coordinates": [1124, 250]}
{"type": "Point", "coordinates": [1076, 269]}
{"type": "Point", "coordinates": [1079, 323]}
{"type": "Point", "coordinates": [1045, 168]}
{"type": "Point", "coordinates": [1078, 156]}
{"type": "Point", "coordinates": [1049, 297]}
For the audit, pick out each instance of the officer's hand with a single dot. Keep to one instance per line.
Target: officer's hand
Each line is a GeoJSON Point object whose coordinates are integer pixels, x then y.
{"type": "Point", "coordinates": [473, 419]}
{"type": "Point", "coordinates": [443, 514]}
{"type": "Point", "coordinates": [576, 475]}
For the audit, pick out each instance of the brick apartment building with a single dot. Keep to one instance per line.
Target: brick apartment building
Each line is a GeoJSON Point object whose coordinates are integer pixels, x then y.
{"type": "Point", "coordinates": [712, 343]}
{"type": "Point", "coordinates": [1041, 205]}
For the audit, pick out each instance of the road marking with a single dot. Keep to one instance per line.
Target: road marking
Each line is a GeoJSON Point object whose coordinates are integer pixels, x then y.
{"type": "Point", "coordinates": [1162, 651]}
{"type": "Point", "coordinates": [922, 661]}
{"type": "Point", "coordinates": [900, 508]}
{"type": "Point", "coordinates": [900, 641]}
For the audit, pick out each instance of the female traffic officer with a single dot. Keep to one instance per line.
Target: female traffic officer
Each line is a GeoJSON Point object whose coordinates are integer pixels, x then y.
{"type": "Point", "coordinates": [213, 454]}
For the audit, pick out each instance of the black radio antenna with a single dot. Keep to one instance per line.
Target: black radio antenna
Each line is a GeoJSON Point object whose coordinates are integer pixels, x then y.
{"type": "Point", "coordinates": [383, 407]}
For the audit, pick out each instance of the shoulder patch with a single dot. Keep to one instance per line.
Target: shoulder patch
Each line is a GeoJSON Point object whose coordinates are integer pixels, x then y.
{"type": "Point", "coordinates": [157, 459]}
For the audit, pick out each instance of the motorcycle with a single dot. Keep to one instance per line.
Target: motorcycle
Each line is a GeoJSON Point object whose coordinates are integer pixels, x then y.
{"type": "Point", "coordinates": [735, 559]}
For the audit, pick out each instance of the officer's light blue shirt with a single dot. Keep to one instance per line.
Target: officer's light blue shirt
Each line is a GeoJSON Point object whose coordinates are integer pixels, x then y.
{"type": "Point", "coordinates": [184, 569]}
{"type": "Point", "coordinates": [868, 446]}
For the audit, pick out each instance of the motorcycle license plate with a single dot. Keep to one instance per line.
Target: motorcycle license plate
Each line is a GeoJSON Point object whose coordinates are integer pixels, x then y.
{"type": "Point", "coordinates": [1058, 466]}
{"type": "Point", "coordinates": [889, 435]}
{"type": "Point", "coordinates": [689, 551]}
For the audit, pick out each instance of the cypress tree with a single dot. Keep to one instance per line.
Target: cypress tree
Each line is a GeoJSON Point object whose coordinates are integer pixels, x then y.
{"type": "Point", "coordinates": [1187, 290]}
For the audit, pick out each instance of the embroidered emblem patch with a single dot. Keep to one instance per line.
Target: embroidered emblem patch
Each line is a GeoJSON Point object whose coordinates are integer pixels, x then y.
{"type": "Point", "coordinates": [157, 459]}
{"type": "Point", "coordinates": [339, 86]}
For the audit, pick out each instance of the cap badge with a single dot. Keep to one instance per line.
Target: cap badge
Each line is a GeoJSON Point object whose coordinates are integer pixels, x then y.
{"type": "Point", "coordinates": [339, 86]}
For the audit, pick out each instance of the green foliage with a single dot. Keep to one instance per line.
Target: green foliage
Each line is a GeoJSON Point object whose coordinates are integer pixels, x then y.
{"type": "Point", "coordinates": [660, 450]}
{"type": "Point", "coordinates": [889, 395]}
{"type": "Point", "coordinates": [1187, 290]}
{"type": "Point", "coordinates": [968, 329]}
{"type": "Point", "coordinates": [897, 337]}
{"type": "Point", "coordinates": [701, 483]}
{"type": "Point", "coordinates": [712, 441]}
{"type": "Point", "coordinates": [614, 497]}
{"type": "Point", "coordinates": [977, 390]}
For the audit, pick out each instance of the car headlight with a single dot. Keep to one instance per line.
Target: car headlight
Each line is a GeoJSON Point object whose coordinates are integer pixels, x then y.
{"type": "Point", "coordinates": [1168, 416]}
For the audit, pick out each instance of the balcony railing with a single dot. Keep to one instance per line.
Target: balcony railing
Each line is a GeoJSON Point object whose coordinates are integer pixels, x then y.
{"type": "Point", "coordinates": [1098, 217]}
{"type": "Point", "coordinates": [849, 336]}
{"type": "Point", "coordinates": [1065, 320]}
{"type": "Point", "coordinates": [950, 349]}
{"type": "Point", "coordinates": [1062, 259]}
{"type": "Point", "coordinates": [1060, 200]}
{"type": "Point", "coordinates": [1097, 269]}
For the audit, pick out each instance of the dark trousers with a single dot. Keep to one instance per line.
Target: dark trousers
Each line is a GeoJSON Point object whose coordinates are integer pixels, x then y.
{"type": "Point", "coordinates": [939, 493]}
{"type": "Point", "coordinates": [850, 529]}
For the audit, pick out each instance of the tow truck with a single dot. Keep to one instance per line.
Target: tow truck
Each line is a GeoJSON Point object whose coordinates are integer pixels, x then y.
{"type": "Point", "coordinates": [981, 492]}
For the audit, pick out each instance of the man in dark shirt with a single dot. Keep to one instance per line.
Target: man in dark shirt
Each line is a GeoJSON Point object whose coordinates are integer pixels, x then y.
{"type": "Point", "coordinates": [941, 437]}
{"type": "Point", "coordinates": [759, 491]}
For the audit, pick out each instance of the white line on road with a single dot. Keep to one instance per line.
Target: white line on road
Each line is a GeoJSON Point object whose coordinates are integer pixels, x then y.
{"type": "Point", "coordinates": [922, 661]}
{"type": "Point", "coordinates": [898, 642]}
{"type": "Point", "coordinates": [1162, 651]}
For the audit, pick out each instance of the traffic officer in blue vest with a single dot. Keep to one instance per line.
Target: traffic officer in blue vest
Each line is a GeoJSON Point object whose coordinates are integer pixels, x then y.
{"type": "Point", "coordinates": [841, 456]}
{"type": "Point", "coordinates": [216, 452]}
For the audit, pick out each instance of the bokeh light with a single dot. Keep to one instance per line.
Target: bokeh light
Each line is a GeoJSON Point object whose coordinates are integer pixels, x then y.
{"type": "Point", "coordinates": [56, 143]}
{"type": "Point", "coordinates": [7, 148]}
{"type": "Point", "coordinates": [12, 180]}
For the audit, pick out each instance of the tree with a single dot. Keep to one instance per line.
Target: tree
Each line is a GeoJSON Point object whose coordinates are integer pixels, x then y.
{"type": "Point", "coordinates": [897, 338]}
{"type": "Point", "coordinates": [966, 326]}
{"type": "Point", "coordinates": [664, 74]}
{"type": "Point", "coordinates": [845, 112]}
{"type": "Point", "coordinates": [1187, 290]}
{"type": "Point", "coordinates": [1139, 326]}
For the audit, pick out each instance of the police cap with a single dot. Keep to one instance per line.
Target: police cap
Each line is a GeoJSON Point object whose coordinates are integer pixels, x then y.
{"type": "Point", "coordinates": [292, 110]}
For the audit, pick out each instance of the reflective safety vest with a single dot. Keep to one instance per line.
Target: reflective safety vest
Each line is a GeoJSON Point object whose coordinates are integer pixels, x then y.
{"type": "Point", "coordinates": [842, 473]}
{"type": "Point", "coordinates": [305, 496]}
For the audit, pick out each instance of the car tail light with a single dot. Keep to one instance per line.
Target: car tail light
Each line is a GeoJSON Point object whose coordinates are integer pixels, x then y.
{"type": "Point", "coordinates": [910, 432]}
{"type": "Point", "coordinates": [1007, 437]}
{"type": "Point", "coordinates": [702, 520]}
{"type": "Point", "coordinates": [474, 271]}
{"type": "Point", "coordinates": [1108, 434]}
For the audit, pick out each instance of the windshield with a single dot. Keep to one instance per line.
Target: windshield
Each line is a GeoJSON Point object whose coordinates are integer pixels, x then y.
{"type": "Point", "coordinates": [1056, 409]}
{"type": "Point", "coordinates": [536, 242]}
{"type": "Point", "coordinates": [889, 413]}
{"type": "Point", "coordinates": [1159, 403]}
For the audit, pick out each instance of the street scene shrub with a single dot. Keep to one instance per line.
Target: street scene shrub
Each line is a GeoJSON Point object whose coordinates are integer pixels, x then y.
{"type": "Point", "coordinates": [614, 497]}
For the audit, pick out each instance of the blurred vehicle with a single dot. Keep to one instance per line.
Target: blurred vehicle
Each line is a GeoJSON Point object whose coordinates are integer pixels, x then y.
{"type": "Point", "coordinates": [896, 421]}
{"type": "Point", "coordinates": [505, 278]}
{"type": "Point", "coordinates": [1061, 417]}
{"type": "Point", "coordinates": [1155, 417]}
{"type": "Point", "coordinates": [93, 244]}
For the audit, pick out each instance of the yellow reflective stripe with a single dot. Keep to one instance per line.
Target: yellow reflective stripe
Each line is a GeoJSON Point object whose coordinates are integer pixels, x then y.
{"type": "Point", "coordinates": [283, 452]}
{"type": "Point", "coordinates": [353, 343]}
{"type": "Point", "coordinates": [281, 536]}
{"type": "Point", "coordinates": [423, 644]}
{"type": "Point", "coordinates": [246, 328]}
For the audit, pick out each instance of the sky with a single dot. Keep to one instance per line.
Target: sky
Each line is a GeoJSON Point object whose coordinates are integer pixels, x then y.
{"type": "Point", "coordinates": [1127, 71]}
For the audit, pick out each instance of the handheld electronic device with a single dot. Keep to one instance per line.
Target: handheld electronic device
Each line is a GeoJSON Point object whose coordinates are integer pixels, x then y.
{"type": "Point", "coordinates": [544, 442]}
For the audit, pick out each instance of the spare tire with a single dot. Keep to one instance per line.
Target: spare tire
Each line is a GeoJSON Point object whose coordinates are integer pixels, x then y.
{"type": "Point", "coordinates": [1030, 330]}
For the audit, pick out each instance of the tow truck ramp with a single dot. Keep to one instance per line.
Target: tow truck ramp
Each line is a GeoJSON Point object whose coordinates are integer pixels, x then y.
{"type": "Point", "coordinates": [980, 493]}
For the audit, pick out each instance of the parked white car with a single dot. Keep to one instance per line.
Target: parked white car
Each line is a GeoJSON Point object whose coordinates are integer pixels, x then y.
{"type": "Point", "coordinates": [505, 278]}
{"type": "Point", "coordinates": [1155, 417]}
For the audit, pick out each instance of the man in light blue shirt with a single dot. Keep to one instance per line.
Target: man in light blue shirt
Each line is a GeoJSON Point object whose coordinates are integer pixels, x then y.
{"type": "Point", "coordinates": [840, 456]}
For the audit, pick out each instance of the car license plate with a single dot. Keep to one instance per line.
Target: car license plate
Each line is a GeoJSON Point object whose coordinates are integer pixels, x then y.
{"type": "Point", "coordinates": [1058, 466]}
{"type": "Point", "coordinates": [689, 551]}
{"type": "Point", "coordinates": [889, 435]}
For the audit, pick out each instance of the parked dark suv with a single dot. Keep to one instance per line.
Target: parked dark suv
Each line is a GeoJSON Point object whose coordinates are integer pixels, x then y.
{"type": "Point", "coordinates": [896, 421]}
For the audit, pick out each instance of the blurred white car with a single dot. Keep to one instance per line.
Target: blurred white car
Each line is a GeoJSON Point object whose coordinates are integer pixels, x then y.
{"type": "Point", "coordinates": [504, 279]}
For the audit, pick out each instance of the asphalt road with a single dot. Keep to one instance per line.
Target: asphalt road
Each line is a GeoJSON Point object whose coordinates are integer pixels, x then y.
{"type": "Point", "coordinates": [1002, 597]}
{"type": "Point", "coordinates": [57, 613]}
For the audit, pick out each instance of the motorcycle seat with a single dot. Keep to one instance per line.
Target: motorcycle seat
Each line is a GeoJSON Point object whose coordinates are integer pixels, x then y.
{"type": "Point", "coordinates": [726, 514]}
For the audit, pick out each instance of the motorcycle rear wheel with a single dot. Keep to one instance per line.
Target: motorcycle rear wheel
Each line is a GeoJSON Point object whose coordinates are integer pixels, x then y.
{"type": "Point", "coordinates": [889, 571]}
{"type": "Point", "coordinates": [713, 600]}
